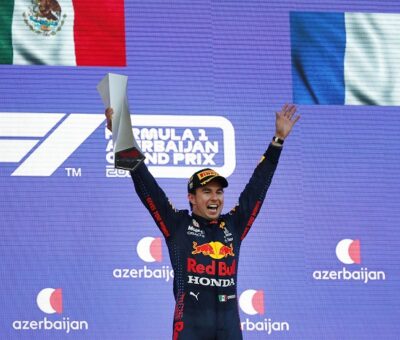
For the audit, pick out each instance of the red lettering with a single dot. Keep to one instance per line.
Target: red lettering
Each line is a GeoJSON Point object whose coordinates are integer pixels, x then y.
{"type": "Point", "coordinates": [178, 327]}
{"type": "Point", "coordinates": [151, 204]}
{"type": "Point", "coordinates": [210, 269]}
{"type": "Point", "coordinates": [157, 216]}
{"type": "Point", "coordinates": [206, 173]}
{"type": "Point", "coordinates": [251, 219]}
{"type": "Point", "coordinates": [164, 229]}
{"type": "Point", "coordinates": [200, 269]}
{"type": "Point", "coordinates": [191, 265]}
{"type": "Point", "coordinates": [223, 268]}
{"type": "Point", "coordinates": [179, 307]}
{"type": "Point", "coordinates": [194, 267]}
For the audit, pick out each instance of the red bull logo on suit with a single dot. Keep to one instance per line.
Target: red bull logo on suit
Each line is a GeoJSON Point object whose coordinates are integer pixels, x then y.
{"type": "Point", "coordinates": [215, 250]}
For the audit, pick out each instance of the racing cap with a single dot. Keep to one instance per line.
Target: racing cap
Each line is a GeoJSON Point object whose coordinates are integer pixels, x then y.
{"type": "Point", "coordinates": [204, 176]}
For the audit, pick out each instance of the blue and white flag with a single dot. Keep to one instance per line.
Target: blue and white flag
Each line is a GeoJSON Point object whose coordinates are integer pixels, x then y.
{"type": "Point", "coordinates": [345, 58]}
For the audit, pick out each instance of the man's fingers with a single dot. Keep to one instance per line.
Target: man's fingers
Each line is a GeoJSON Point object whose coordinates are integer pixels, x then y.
{"type": "Point", "coordinates": [288, 110]}
{"type": "Point", "coordinates": [291, 111]}
{"type": "Point", "coordinates": [295, 119]}
{"type": "Point", "coordinates": [283, 111]}
{"type": "Point", "coordinates": [109, 112]}
{"type": "Point", "coordinates": [284, 108]}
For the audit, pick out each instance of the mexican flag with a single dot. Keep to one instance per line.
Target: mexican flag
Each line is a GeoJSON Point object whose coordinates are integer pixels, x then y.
{"type": "Point", "coordinates": [62, 32]}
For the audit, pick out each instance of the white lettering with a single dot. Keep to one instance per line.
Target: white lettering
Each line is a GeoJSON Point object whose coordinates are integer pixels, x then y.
{"type": "Point", "coordinates": [205, 281]}
{"type": "Point", "coordinates": [164, 273]}
{"type": "Point", "coordinates": [110, 146]}
{"type": "Point", "coordinates": [267, 325]}
{"type": "Point", "coordinates": [61, 325]}
{"type": "Point", "coordinates": [187, 134]}
{"type": "Point", "coordinates": [364, 275]}
{"type": "Point", "coordinates": [174, 145]}
{"type": "Point", "coordinates": [202, 135]}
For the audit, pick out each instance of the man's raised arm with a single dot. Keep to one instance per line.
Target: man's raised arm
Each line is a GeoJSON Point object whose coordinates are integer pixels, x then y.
{"type": "Point", "coordinates": [151, 194]}
{"type": "Point", "coordinates": [253, 195]}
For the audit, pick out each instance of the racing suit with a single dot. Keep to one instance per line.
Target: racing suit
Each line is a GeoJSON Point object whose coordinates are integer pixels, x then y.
{"type": "Point", "coordinates": [204, 254]}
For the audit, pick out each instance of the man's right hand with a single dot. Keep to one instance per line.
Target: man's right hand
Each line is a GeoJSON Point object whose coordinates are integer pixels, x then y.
{"type": "Point", "coordinates": [109, 112]}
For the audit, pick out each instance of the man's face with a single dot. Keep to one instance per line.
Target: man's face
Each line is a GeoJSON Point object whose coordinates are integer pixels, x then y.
{"type": "Point", "coordinates": [208, 200]}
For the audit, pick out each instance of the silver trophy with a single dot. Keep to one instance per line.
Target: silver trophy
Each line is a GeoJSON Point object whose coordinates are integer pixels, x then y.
{"type": "Point", "coordinates": [127, 154]}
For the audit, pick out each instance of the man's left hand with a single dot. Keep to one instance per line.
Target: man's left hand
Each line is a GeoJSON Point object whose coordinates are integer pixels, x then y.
{"type": "Point", "coordinates": [285, 120]}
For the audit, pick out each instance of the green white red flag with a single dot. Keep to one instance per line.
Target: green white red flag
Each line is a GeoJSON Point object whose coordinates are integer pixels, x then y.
{"type": "Point", "coordinates": [62, 32]}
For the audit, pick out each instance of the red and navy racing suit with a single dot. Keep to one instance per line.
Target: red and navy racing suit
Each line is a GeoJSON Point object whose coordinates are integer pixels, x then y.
{"type": "Point", "coordinates": [204, 254]}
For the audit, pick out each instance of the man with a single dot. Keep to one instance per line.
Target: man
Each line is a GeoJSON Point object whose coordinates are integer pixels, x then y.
{"type": "Point", "coordinates": [204, 246]}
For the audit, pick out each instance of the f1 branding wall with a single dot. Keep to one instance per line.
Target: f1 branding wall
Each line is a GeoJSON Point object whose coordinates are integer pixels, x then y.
{"type": "Point", "coordinates": [175, 146]}
{"type": "Point", "coordinates": [80, 255]}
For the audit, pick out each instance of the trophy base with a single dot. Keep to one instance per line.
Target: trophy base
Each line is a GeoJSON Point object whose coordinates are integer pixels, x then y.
{"type": "Point", "coordinates": [128, 159]}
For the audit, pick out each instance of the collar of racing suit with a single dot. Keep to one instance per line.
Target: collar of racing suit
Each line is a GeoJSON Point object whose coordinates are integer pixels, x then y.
{"type": "Point", "coordinates": [205, 222]}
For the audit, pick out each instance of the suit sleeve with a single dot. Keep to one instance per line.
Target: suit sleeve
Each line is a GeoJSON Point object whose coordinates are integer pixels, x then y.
{"type": "Point", "coordinates": [155, 200]}
{"type": "Point", "coordinates": [253, 195]}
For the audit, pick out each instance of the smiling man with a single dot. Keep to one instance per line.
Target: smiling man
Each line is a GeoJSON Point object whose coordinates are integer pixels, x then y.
{"type": "Point", "coordinates": [204, 245]}
{"type": "Point", "coordinates": [206, 193]}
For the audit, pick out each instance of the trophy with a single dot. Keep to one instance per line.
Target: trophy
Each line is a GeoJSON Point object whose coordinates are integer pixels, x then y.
{"type": "Point", "coordinates": [127, 154]}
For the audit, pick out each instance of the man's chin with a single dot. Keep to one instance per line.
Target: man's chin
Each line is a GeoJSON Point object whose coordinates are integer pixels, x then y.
{"type": "Point", "coordinates": [213, 216]}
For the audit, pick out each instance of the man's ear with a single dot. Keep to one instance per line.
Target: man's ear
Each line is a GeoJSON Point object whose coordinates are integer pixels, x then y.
{"type": "Point", "coordinates": [191, 198]}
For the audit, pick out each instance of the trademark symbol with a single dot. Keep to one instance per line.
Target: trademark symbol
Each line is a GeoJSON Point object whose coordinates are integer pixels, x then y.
{"type": "Point", "coordinates": [73, 172]}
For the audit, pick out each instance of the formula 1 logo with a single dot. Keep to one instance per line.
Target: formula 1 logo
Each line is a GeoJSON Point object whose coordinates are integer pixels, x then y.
{"type": "Point", "coordinates": [178, 146]}
{"type": "Point", "coordinates": [43, 141]}
{"type": "Point", "coordinates": [174, 146]}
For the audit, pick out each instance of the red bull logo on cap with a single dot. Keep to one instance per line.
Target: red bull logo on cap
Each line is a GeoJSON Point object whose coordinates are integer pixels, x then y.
{"type": "Point", "coordinates": [215, 250]}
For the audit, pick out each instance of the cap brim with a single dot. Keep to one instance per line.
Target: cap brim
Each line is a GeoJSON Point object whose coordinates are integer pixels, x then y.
{"type": "Point", "coordinates": [221, 179]}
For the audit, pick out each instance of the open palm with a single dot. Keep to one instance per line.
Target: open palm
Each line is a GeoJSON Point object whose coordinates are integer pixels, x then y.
{"type": "Point", "coordinates": [285, 120]}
